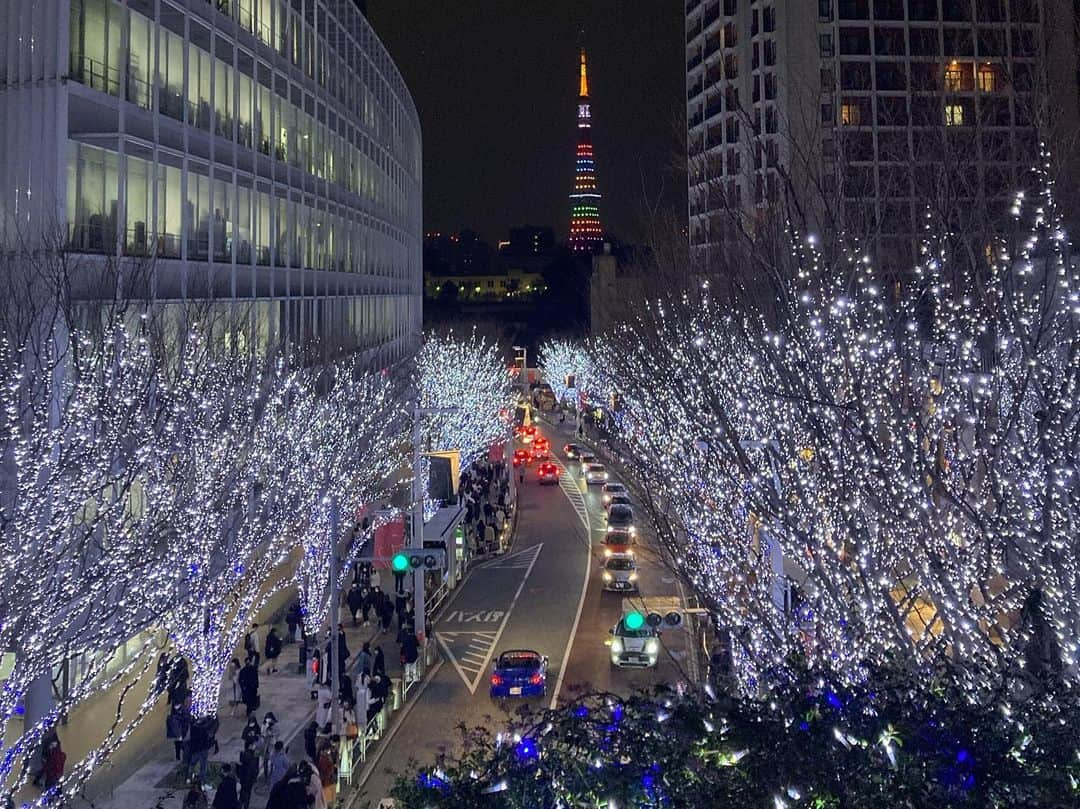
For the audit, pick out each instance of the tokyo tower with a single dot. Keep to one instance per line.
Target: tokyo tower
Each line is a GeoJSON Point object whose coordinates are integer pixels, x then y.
{"type": "Point", "coordinates": [586, 234]}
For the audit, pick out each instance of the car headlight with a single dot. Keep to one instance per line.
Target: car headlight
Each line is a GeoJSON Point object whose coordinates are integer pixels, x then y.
{"type": "Point", "coordinates": [633, 576]}
{"type": "Point", "coordinates": [616, 646]}
{"type": "Point", "coordinates": [607, 498]}
{"type": "Point", "coordinates": [633, 529]}
{"type": "Point", "coordinates": [607, 551]}
{"type": "Point", "coordinates": [607, 576]}
{"type": "Point", "coordinates": [605, 476]}
{"type": "Point", "coordinates": [610, 528]}
{"type": "Point", "coordinates": [652, 646]}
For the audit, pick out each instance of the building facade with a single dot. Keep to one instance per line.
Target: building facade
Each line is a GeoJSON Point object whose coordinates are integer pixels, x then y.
{"type": "Point", "coordinates": [261, 154]}
{"type": "Point", "coordinates": [864, 113]}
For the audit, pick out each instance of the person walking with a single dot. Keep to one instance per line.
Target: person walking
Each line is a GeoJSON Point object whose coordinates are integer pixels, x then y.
{"type": "Point", "coordinates": [55, 758]}
{"type": "Point", "coordinates": [324, 707]}
{"type": "Point", "coordinates": [293, 621]}
{"type": "Point", "coordinates": [195, 798]}
{"type": "Point", "coordinates": [247, 773]}
{"type": "Point", "coordinates": [248, 679]}
{"type": "Point", "coordinates": [228, 791]}
{"type": "Point", "coordinates": [363, 700]}
{"type": "Point", "coordinates": [311, 736]}
{"type": "Point", "coordinates": [279, 764]}
{"type": "Point", "coordinates": [355, 600]}
{"type": "Point", "coordinates": [177, 725]}
{"type": "Point", "coordinates": [366, 602]}
{"type": "Point", "coordinates": [387, 613]}
{"type": "Point", "coordinates": [480, 536]}
{"type": "Point", "coordinates": [363, 660]}
{"type": "Point", "coordinates": [314, 673]}
{"type": "Point", "coordinates": [410, 653]}
{"type": "Point", "coordinates": [252, 643]}
{"type": "Point", "coordinates": [251, 734]}
{"type": "Point", "coordinates": [269, 741]}
{"type": "Point", "coordinates": [200, 740]}
{"type": "Point", "coordinates": [378, 665]}
{"type": "Point", "coordinates": [273, 650]}
{"type": "Point", "coordinates": [234, 679]}
{"type": "Point", "coordinates": [328, 774]}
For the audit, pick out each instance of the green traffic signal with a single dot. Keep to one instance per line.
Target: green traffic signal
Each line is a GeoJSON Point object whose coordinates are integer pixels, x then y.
{"type": "Point", "coordinates": [634, 620]}
{"type": "Point", "coordinates": [400, 562]}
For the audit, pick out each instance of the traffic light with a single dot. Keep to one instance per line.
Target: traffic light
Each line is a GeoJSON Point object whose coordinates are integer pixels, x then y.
{"type": "Point", "coordinates": [634, 621]}
{"type": "Point", "coordinates": [428, 558]}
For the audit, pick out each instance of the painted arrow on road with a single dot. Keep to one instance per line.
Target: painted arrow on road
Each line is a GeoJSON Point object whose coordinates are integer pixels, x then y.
{"type": "Point", "coordinates": [471, 650]}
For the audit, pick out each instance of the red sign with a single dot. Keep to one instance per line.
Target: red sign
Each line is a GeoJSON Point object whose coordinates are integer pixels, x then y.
{"type": "Point", "coordinates": [389, 539]}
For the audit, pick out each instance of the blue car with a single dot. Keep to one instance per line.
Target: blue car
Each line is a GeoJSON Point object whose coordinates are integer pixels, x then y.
{"type": "Point", "coordinates": [519, 673]}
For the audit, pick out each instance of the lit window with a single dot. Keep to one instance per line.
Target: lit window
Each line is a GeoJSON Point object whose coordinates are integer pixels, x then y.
{"type": "Point", "coordinates": [987, 78]}
{"type": "Point", "coordinates": [954, 115]}
{"type": "Point", "coordinates": [850, 114]}
{"type": "Point", "coordinates": [953, 77]}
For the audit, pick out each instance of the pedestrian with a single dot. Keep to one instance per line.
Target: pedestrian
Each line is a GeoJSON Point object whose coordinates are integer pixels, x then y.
{"type": "Point", "coordinates": [489, 512]}
{"type": "Point", "coordinates": [311, 736]}
{"type": "Point", "coordinates": [480, 536]}
{"type": "Point", "coordinates": [378, 666]}
{"type": "Point", "coordinates": [293, 621]}
{"type": "Point", "coordinates": [314, 673]}
{"type": "Point", "coordinates": [387, 614]}
{"type": "Point", "coordinates": [399, 607]}
{"type": "Point", "coordinates": [410, 653]}
{"type": "Point", "coordinates": [279, 764]}
{"type": "Point", "coordinates": [269, 740]}
{"type": "Point", "coordinates": [345, 692]}
{"type": "Point", "coordinates": [367, 596]}
{"type": "Point", "coordinates": [355, 600]}
{"type": "Point", "coordinates": [251, 734]}
{"type": "Point", "coordinates": [247, 773]}
{"type": "Point", "coordinates": [314, 790]}
{"type": "Point", "coordinates": [252, 643]}
{"type": "Point", "coordinates": [363, 700]}
{"type": "Point", "coordinates": [161, 676]}
{"type": "Point", "coordinates": [234, 678]}
{"type": "Point", "coordinates": [380, 690]}
{"type": "Point", "coordinates": [248, 679]}
{"type": "Point", "coordinates": [324, 707]}
{"type": "Point", "coordinates": [376, 579]}
{"type": "Point", "coordinates": [489, 536]}
{"type": "Point", "coordinates": [273, 650]}
{"type": "Point", "coordinates": [177, 724]}
{"type": "Point", "coordinates": [178, 680]}
{"type": "Point", "coordinates": [55, 759]}
{"type": "Point", "coordinates": [363, 660]}
{"type": "Point", "coordinates": [200, 740]}
{"type": "Point", "coordinates": [228, 791]}
{"type": "Point", "coordinates": [195, 798]}
{"type": "Point", "coordinates": [399, 581]}
{"type": "Point", "coordinates": [328, 774]}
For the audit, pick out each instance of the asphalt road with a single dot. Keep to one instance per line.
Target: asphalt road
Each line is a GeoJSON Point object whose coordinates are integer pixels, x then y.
{"type": "Point", "coordinates": [528, 598]}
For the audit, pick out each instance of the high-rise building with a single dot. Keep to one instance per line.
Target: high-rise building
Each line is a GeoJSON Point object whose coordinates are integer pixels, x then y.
{"type": "Point", "coordinates": [262, 156]}
{"type": "Point", "coordinates": [586, 233]}
{"type": "Point", "coordinates": [859, 114]}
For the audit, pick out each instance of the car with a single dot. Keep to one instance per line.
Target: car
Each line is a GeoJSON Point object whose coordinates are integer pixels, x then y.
{"type": "Point", "coordinates": [541, 449]}
{"type": "Point", "coordinates": [593, 473]}
{"type": "Point", "coordinates": [610, 490]}
{"type": "Point", "coordinates": [572, 451]}
{"type": "Point", "coordinates": [621, 518]}
{"type": "Point", "coordinates": [633, 642]}
{"type": "Point", "coordinates": [616, 500]}
{"type": "Point", "coordinates": [548, 473]}
{"type": "Point", "coordinates": [528, 434]}
{"type": "Point", "coordinates": [619, 573]}
{"type": "Point", "coordinates": [521, 456]}
{"type": "Point", "coordinates": [585, 456]}
{"type": "Point", "coordinates": [618, 540]}
{"type": "Point", "coordinates": [519, 673]}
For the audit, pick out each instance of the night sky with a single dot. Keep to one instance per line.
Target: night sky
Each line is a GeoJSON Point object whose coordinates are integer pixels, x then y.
{"type": "Point", "coordinates": [495, 82]}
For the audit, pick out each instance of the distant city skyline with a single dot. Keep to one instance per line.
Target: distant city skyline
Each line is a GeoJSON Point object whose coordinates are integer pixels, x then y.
{"type": "Point", "coordinates": [498, 99]}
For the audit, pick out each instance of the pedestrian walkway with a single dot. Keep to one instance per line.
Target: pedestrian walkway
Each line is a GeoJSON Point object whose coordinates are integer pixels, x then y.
{"type": "Point", "coordinates": [158, 783]}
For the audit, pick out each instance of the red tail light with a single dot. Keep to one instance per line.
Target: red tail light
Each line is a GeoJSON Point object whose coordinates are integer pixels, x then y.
{"type": "Point", "coordinates": [536, 679]}
{"type": "Point", "coordinates": [496, 679]}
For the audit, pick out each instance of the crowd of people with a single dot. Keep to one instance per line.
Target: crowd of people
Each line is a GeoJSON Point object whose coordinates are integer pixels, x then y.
{"type": "Point", "coordinates": [485, 493]}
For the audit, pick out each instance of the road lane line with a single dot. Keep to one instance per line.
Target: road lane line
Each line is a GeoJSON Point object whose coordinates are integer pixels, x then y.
{"type": "Point", "coordinates": [583, 515]}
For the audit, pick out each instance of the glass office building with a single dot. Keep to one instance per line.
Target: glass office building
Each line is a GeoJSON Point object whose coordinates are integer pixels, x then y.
{"type": "Point", "coordinates": [264, 154]}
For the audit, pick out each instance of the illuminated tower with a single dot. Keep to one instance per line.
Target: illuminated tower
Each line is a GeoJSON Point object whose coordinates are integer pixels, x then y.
{"type": "Point", "coordinates": [585, 232]}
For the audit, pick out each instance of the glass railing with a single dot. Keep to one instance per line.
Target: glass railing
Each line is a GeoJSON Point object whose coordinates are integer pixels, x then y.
{"type": "Point", "coordinates": [95, 74]}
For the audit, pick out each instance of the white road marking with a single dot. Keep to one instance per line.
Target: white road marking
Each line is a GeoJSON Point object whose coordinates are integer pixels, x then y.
{"type": "Point", "coordinates": [445, 638]}
{"type": "Point", "coordinates": [577, 500]}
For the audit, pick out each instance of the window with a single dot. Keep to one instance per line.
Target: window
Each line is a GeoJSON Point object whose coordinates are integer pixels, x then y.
{"type": "Point", "coordinates": [731, 35]}
{"type": "Point", "coordinates": [771, 120]}
{"type": "Point", "coordinates": [825, 44]}
{"type": "Point", "coordinates": [824, 9]}
{"type": "Point", "coordinates": [731, 66]}
{"type": "Point", "coordinates": [987, 78]}
{"type": "Point", "coordinates": [770, 52]}
{"type": "Point", "coordinates": [730, 7]}
{"type": "Point", "coordinates": [953, 77]}
{"type": "Point", "coordinates": [850, 113]}
{"type": "Point", "coordinates": [828, 116]}
{"type": "Point", "coordinates": [889, 41]}
{"type": "Point", "coordinates": [854, 41]}
{"type": "Point", "coordinates": [888, 9]}
{"type": "Point", "coordinates": [924, 42]}
{"type": "Point", "coordinates": [768, 19]}
{"type": "Point", "coordinates": [854, 9]}
{"type": "Point", "coordinates": [731, 127]}
{"type": "Point", "coordinates": [828, 80]}
{"type": "Point", "coordinates": [890, 76]}
{"type": "Point", "coordinates": [734, 164]}
{"type": "Point", "coordinates": [855, 75]}
{"type": "Point", "coordinates": [770, 86]}
{"type": "Point", "coordinates": [754, 23]}
{"type": "Point", "coordinates": [954, 114]}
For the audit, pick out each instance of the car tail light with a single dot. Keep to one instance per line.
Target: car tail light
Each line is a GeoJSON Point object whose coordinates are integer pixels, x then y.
{"type": "Point", "coordinates": [496, 679]}
{"type": "Point", "coordinates": [536, 679]}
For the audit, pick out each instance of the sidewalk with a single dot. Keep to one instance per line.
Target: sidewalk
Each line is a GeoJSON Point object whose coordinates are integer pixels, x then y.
{"type": "Point", "coordinates": [284, 693]}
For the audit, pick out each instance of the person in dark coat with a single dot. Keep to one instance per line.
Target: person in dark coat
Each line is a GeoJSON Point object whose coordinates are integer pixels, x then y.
{"type": "Point", "coordinates": [177, 725]}
{"type": "Point", "coordinates": [247, 771]}
{"type": "Point", "coordinates": [355, 600]}
{"type": "Point", "coordinates": [311, 737]}
{"type": "Point", "coordinates": [273, 650]}
{"type": "Point", "coordinates": [366, 601]}
{"type": "Point", "coordinates": [410, 653]}
{"type": "Point", "coordinates": [249, 686]}
{"type": "Point", "coordinates": [252, 733]}
{"type": "Point", "coordinates": [387, 614]}
{"type": "Point", "coordinates": [228, 791]}
{"type": "Point", "coordinates": [378, 666]}
{"type": "Point", "coordinates": [293, 620]}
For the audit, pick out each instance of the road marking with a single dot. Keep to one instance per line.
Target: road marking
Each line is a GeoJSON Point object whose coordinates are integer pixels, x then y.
{"type": "Point", "coordinates": [515, 561]}
{"type": "Point", "coordinates": [471, 674]}
{"type": "Point", "coordinates": [577, 500]}
{"type": "Point", "coordinates": [473, 617]}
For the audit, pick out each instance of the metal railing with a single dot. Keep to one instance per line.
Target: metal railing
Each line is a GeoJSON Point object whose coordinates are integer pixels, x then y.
{"type": "Point", "coordinates": [95, 74]}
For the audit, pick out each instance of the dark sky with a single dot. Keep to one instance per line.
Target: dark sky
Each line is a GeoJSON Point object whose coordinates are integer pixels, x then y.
{"type": "Point", "coordinates": [495, 82]}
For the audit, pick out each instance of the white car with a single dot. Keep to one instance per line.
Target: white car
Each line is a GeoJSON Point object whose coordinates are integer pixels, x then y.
{"type": "Point", "coordinates": [616, 500]}
{"type": "Point", "coordinates": [619, 573]}
{"type": "Point", "coordinates": [594, 473]}
{"type": "Point", "coordinates": [634, 648]}
{"type": "Point", "coordinates": [611, 489]}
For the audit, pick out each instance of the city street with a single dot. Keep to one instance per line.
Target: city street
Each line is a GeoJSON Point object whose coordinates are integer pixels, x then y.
{"type": "Point", "coordinates": [544, 594]}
